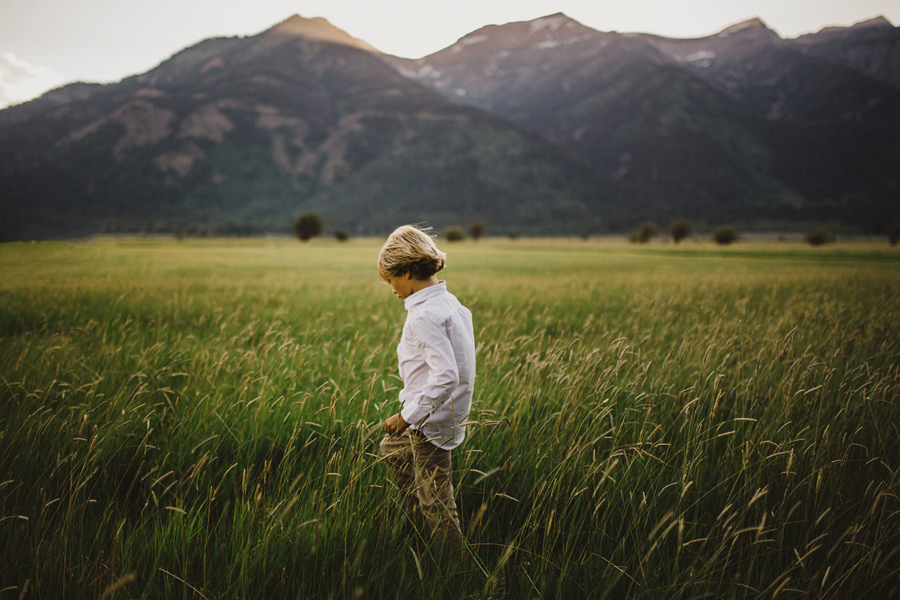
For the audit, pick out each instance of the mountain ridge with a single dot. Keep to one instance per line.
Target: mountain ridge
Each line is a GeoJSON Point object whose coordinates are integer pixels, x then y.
{"type": "Point", "coordinates": [540, 126]}
{"type": "Point", "coordinates": [797, 135]}
{"type": "Point", "coordinates": [248, 132]}
{"type": "Point", "coordinates": [317, 28]}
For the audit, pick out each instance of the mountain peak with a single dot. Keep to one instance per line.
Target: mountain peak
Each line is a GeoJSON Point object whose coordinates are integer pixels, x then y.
{"type": "Point", "coordinates": [754, 23]}
{"type": "Point", "coordinates": [318, 28]}
{"type": "Point", "coordinates": [754, 26]}
{"type": "Point", "coordinates": [879, 21]}
{"type": "Point", "coordinates": [551, 22]}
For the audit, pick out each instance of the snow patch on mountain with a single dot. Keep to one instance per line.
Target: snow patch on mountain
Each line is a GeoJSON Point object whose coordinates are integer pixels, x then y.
{"type": "Point", "coordinates": [425, 71]}
{"type": "Point", "coordinates": [428, 72]}
{"type": "Point", "coordinates": [554, 42]}
{"type": "Point", "coordinates": [701, 58]}
{"type": "Point", "coordinates": [467, 41]}
{"type": "Point", "coordinates": [475, 39]}
{"type": "Point", "coordinates": [700, 55]}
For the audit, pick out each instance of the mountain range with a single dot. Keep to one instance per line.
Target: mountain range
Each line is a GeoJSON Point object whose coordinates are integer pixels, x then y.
{"type": "Point", "coordinates": [742, 125]}
{"type": "Point", "coordinates": [545, 126]}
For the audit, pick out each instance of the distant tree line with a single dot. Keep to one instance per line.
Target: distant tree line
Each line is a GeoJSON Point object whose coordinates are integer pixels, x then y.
{"type": "Point", "coordinates": [310, 225]}
{"type": "Point", "coordinates": [679, 230]}
{"type": "Point", "coordinates": [682, 228]}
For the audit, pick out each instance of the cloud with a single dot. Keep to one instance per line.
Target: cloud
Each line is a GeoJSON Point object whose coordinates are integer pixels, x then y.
{"type": "Point", "coordinates": [20, 81]}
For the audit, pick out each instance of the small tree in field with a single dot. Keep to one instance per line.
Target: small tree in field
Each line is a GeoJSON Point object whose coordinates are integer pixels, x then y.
{"type": "Point", "coordinates": [725, 235]}
{"type": "Point", "coordinates": [680, 229]}
{"type": "Point", "coordinates": [817, 236]}
{"type": "Point", "coordinates": [894, 233]}
{"type": "Point", "coordinates": [307, 226]}
{"type": "Point", "coordinates": [476, 230]}
{"type": "Point", "coordinates": [454, 234]}
{"type": "Point", "coordinates": [341, 235]}
{"type": "Point", "coordinates": [642, 234]}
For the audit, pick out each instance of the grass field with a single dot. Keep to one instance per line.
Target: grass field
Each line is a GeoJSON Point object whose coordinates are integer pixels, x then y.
{"type": "Point", "coordinates": [200, 420]}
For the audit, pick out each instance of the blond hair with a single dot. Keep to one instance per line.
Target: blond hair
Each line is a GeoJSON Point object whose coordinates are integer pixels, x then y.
{"type": "Point", "coordinates": [410, 250]}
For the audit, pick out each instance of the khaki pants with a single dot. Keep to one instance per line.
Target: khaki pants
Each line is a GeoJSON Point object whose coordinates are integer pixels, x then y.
{"type": "Point", "coordinates": [422, 472]}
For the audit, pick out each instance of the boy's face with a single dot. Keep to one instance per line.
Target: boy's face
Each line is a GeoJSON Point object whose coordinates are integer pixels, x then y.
{"type": "Point", "coordinates": [402, 285]}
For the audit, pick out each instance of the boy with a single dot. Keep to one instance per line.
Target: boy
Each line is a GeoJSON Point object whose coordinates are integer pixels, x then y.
{"type": "Point", "coordinates": [437, 365]}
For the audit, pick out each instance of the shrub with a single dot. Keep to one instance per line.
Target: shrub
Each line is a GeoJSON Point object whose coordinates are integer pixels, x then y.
{"type": "Point", "coordinates": [341, 235]}
{"type": "Point", "coordinates": [817, 236]}
{"type": "Point", "coordinates": [307, 226]}
{"type": "Point", "coordinates": [476, 230]}
{"type": "Point", "coordinates": [454, 234]}
{"type": "Point", "coordinates": [894, 233]}
{"type": "Point", "coordinates": [725, 235]}
{"type": "Point", "coordinates": [680, 229]}
{"type": "Point", "coordinates": [642, 234]}
{"type": "Point", "coordinates": [513, 234]}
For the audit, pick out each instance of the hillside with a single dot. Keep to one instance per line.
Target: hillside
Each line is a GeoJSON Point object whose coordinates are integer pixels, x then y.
{"type": "Point", "coordinates": [776, 80]}
{"type": "Point", "coordinates": [871, 47]}
{"type": "Point", "coordinates": [245, 133]}
{"type": "Point", "coordinates": [738, 126]}
{"type": "Point", "coordinates": [545, 126]}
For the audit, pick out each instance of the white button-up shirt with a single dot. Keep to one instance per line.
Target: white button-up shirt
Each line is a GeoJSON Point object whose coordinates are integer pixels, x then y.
{"type": "Point", "coordinates": [437, 365]}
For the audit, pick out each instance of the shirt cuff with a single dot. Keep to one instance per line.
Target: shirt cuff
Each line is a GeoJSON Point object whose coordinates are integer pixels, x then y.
{"type": "Point", "coordinates": [413, 414]}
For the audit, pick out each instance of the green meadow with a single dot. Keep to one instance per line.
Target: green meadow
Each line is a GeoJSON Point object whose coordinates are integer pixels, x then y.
{"type": "Point", "coordinates": [201, 420]}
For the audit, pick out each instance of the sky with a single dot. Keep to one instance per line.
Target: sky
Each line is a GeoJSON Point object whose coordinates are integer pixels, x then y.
{"type": "Point", "coordinates": [46, 43]}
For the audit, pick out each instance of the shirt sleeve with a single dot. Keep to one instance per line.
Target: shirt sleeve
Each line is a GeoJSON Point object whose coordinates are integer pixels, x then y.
{"type": "Point", "coordinates": [443, 376]}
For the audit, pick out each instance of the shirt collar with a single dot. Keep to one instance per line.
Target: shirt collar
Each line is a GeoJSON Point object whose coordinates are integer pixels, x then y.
{"type": "Point", "coordinates": [424, 294]}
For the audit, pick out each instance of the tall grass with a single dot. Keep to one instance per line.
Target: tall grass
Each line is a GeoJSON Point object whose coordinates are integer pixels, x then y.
{"type": "Point", "coordinates": [201, 420]}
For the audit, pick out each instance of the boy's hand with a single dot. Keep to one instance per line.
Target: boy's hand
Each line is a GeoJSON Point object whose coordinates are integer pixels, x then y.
{"type": "Point", "coordinates": [395, 424]}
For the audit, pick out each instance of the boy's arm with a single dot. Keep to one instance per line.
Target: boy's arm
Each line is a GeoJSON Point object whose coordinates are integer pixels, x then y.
{"type": "Point", "coordinates": [443, 377]}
